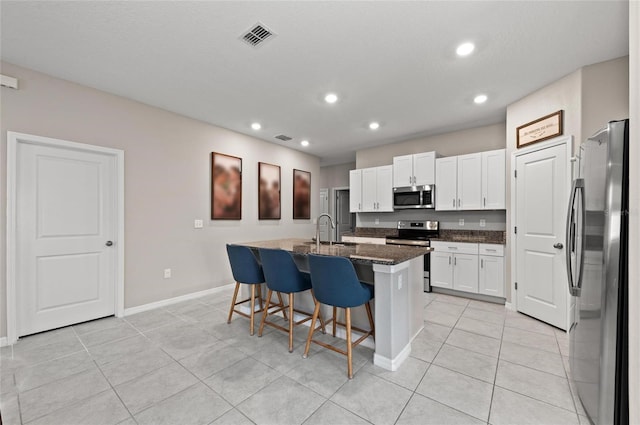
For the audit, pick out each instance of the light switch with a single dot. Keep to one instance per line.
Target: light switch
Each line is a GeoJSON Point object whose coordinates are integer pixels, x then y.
{"type": "Point", "coordinates": [461, 222]}
{"type": "Point", "coordinates": [198, 224]}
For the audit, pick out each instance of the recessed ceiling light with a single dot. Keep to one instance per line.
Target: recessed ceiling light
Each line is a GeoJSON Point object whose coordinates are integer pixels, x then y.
{"type": "Point", "coordinates": [304, 143]}
{"type": "Point", "coordinates": [374, 125]}
{"type": "Point", "coordinates": [331, 98]}
{"type": "Point", "coordinates": [256, 126]}
{"type": "Point", "coordinates": [465, 49]}
{"type": "Point", "coordinates": [481, 98]}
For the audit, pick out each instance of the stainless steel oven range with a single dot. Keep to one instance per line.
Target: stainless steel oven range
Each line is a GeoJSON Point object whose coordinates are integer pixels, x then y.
{"type": "Point", "coordinates": [417, 233]}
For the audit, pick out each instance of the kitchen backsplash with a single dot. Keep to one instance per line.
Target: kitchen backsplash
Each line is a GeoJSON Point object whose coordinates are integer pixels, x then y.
{"type": "Point", "coordinates": [493, 220]}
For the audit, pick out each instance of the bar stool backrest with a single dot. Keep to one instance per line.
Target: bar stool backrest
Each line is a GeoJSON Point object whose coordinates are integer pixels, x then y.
{"type": "Point", "coordinates": [336, 283]}
{"type": "Point", "coordinates": [244, 265]}
{"type": "Point", "coordinates": [281, 272]}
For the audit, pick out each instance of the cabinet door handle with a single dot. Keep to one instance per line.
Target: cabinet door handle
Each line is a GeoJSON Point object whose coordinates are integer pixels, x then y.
{"type": "Point", "coordinates": [458, 202]}
{"type": "Point", "coordinates": [454, 203]}
{"type": "Point", "coordinates": [455, 261]}
{"type": "Point", "coordinates": [484, 202]}
{"type": "Point", "coordinates": [449, 260]}
{"type": "Point", "coordinates": [358, 205]}
{"type": "Point", "coordinates": [481, 263]}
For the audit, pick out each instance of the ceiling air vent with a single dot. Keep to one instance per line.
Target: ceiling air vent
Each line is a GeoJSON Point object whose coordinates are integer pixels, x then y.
{"type": "Point", "coordinates": [256, 35]}
{"type": "Point", "coordinates": [283, 137]}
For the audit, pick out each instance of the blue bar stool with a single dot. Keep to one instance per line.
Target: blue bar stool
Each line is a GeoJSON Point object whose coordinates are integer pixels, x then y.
{"type": "Point", "coordinates": [282, 276]}
{"type": "Point", "coordinates": [336, 283]}
{"type": "Point", "coordinates": [247, 270]}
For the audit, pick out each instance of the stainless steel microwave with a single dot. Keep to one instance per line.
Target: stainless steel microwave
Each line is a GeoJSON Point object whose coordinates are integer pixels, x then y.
{"type": "Point", "coordinates": [410, 197]}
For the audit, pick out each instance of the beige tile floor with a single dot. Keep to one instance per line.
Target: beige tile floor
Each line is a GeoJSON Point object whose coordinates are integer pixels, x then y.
{"type": "Point", "coordinates": [474, 363]}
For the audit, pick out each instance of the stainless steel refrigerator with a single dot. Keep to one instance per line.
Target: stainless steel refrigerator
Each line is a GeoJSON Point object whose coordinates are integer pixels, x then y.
{"type": "Point", "coordinates": [597, 267]}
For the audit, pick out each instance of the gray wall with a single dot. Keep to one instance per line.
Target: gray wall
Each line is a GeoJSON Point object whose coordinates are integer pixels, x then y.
{"type": "Point", "coordinates": [455, 143]}
{"type": "Point", "coordinates": [167, 175]}
{"type": "Point", "coordinates": [590, 97]}
{"type": "Point", "coordinates": [494, 220]}
{"type": "Point", "coordinates": [335, 175]}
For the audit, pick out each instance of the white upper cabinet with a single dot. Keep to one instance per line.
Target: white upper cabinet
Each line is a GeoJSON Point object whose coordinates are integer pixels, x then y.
{"type": "Point", "coordinates": [417, 169]}
{"type": "Point", "coordinates": [385, 188]}
{"type": "Point", "coordinates": [402, 170]}
{"type": "Point", "coordinates": [371, 189]}
{"type": "Point", "coordinates": [447, 183]}
{"type": "Point", "coordinates": [355, 191]}
{"type": "Point", "coordinates": [471, 182]}
{"type": "Point", "coordinates": [493, 179]}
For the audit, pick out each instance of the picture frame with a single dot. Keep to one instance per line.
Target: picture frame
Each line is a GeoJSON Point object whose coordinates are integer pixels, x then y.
{"type": "Point", "coordinates": [301, 195]}
{"type": "Point", "coordinates": [268, 191]}
{"type": "Point", "coordinates": [544, 128]}
{"type": "Point", "coordinates": [226, 187]}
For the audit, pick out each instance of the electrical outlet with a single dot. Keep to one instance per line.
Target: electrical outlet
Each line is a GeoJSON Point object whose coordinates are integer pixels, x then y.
{"type": "Point", "coordinates": [483, 222]}
{"type": "Point", "coordinates": [377, 221]}
{"type": "Point", "coordinates": [461, 222]}
{"type": "Point", "coordinates": [167, 273]}
{"type": "Point", "coordinates": [198, 224]}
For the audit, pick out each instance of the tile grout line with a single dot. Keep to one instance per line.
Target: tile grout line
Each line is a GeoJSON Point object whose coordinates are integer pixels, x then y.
{"type": "Point", "coordinates": [495, 376]}
{"type": "Point", "coordinates": [114, 391]}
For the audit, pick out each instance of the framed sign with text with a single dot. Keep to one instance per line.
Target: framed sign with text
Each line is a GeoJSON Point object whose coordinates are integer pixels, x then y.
{"type": "Point", "coordinates": [541, 129]}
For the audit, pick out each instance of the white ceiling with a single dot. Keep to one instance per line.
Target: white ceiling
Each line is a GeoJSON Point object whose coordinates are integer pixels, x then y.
{"type": "Point", "coordinates": [389, 61]}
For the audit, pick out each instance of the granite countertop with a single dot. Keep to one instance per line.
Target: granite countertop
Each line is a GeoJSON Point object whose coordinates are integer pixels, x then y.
{"type": "Point", "coordinates": [446, 235]}
{"type": "Point", "coordinates": [360, 253]}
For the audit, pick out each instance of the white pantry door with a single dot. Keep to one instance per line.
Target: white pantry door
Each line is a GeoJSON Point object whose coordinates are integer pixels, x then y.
{"type": "Point", "coordinates": [65, 236]}
{"type": "Point", "coordinates": [542, 192]}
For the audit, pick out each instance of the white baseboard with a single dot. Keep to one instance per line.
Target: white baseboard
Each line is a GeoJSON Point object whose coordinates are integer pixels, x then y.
{"type": "Point", "coordinates": [509, 306]}
{"type": "Point", "coordinates": [169, 301]}
{"type": "Point", "coordinates": [3, 341]}
{"type": "Point", "coordinates": [392, 364]}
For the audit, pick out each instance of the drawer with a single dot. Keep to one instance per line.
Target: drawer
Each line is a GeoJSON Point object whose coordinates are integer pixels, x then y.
{"type": "Point", "coordinates": [493, 249]}
{"type": "Point", "coordinates": [455, 247]}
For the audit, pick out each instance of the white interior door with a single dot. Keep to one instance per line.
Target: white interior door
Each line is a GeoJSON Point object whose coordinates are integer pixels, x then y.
{"type": "Point", "coordinates": [66, 228]}
{"type": "Point", "coordinates": [542, 191]}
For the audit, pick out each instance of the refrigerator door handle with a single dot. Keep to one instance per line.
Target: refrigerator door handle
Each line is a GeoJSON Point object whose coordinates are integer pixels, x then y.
{"type": "Point", "coordinates": [578, 184]}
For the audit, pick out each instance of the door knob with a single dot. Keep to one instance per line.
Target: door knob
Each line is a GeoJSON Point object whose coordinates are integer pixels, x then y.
{"type": "Point", "coordinates": [109, 243]}
{"type": "Point", "coordinates": [558, 245]}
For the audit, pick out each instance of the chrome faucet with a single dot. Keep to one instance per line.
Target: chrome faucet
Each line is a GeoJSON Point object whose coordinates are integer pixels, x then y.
{"type": "Point", "coordinates": [333, 226]}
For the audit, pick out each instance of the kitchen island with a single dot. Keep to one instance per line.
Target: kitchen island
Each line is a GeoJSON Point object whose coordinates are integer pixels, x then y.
{"type": "Point", "coordinates": [397, 275]}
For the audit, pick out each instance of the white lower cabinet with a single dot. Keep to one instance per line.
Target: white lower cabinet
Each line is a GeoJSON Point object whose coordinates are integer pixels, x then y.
{"type": "Point", "coordinates": [465, 272]}
{"type": "Point", "coordinates": [441, 273]}
{"type": "Point", "coordinates": [454, 265]}
{"type": "Point", "coordinates": [468, 267]}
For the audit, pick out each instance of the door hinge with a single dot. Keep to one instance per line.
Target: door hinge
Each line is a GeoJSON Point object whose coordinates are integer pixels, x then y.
{"type": "Point", "coordinates": [516, 286]}
{"type": "Point", "coordinates": [515, 230]}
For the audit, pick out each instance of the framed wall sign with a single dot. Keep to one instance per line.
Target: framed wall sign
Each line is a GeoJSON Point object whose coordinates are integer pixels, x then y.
{"type": "Point", "coordinates": [226, 187]}
{"type": "Point", "coordinates": [541, 129]}
{"type": "Point", "coordinates": [268, 191]}
{"type": "Point", "coordinates": [301, 194]}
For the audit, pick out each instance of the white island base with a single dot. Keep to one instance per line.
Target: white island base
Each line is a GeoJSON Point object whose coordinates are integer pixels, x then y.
{"type": "Point", "coordinates": [398, 316]}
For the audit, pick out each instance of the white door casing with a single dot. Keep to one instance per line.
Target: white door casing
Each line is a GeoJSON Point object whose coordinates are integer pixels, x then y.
{"type": "Point", "coordinates": [539, 202]}
{"type": "Point", "coordinates": [65, 202]}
